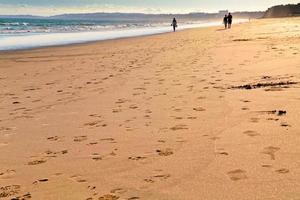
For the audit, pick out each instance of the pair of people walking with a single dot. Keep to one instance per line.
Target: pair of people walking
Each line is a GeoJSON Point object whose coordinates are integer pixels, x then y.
{"type": "Point", "coordinates": [227, 20]}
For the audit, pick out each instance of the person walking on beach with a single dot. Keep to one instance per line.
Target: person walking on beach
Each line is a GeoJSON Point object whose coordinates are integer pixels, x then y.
{"type": "Point", "coordinates": [229, 19]}
{"type": "Point", "coordinates": [174, 24]}
{"type": "Point", "coordinates": [225, 21]}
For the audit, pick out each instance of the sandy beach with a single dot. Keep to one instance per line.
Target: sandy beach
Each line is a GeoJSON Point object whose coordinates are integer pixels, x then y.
{"type": "Point", "coordinates": [200, 114]}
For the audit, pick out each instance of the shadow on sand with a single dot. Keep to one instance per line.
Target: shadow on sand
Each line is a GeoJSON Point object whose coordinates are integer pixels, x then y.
{"type": "Point", "coordinates": [221, 29]}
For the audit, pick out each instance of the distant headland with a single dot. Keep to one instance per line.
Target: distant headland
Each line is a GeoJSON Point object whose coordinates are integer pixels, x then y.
{"type": "Point", "coordinates": [290, 10]}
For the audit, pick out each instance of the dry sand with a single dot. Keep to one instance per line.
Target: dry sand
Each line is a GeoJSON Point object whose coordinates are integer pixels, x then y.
{"type": "Point", "coordinates": [198, 114]}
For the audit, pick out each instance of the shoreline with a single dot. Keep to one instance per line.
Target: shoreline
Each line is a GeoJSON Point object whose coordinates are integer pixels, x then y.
{"type": "Point", "coordinates": [121, 37]}
{"type": "Point", "coordinates": [93, 42]}
{"type": "Point", "coordinates": [84, 43]}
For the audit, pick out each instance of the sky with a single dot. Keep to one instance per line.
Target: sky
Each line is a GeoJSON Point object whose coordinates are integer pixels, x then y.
{"type": "Point", "coordinates": [53, 7]}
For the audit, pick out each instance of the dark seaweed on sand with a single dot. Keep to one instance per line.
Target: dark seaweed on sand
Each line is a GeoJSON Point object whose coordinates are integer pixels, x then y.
{"type": "Point", "coordinates": [263, 85]}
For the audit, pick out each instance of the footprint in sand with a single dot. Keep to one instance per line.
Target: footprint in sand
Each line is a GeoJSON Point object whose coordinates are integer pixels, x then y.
{"type": "Point", "coordinates": [177, 110]}
{"type": "Point", "coordinates": [41, 181]}
{"type": "Point", "coordinates": [9, 190]}
{"type": "Point", "coordinates": [37, 162]}
{"type": "Point", "coordinates": [266, 166]}
{"type": "Point", "coordinates": [97, 123]}
{"type": "Point", "coordinates": [139, 88]}
{"type": "Point", "coordinates": [164, 152]}
{"type": "Point", "coordinates": [133, 198]}
{"type": "Point", "coordinates": [53, 154]}
{"type": "Point", "coordinates": [237, 175]}
{"type": "Point", "coordinates": [96, 157]}
{"type": "Point", "coordinates": [7, 174]}
{"type": "Point", "coordinates": [246, 101]}
{"type": "Point", "coordinates": [147, 116]}
{"type": "Point", "coordinates": [109, 197]}
{"type": "Point", "coordinates": [80, 138]}
{"type": "Point", "coordinates": [95, 115]}
{"type": "Point", "coordinates": [148, 111]}
{"type": "Point", "coordinates": [5, 129]}
{"type": "Point", "coordinates": [118, 191]}
{"type": "Point", "coordinates": [160, 177]}
{"type": "Point", "coordinates": [53, 138]}
{"type": "Point", "coordinates": [78, 178]}
{"type": "Point", "coordinates": [136, 94]}
{"type": "Point", "coordinates": [244, 108]}
{"type": "Point", "coordinates": [136, 158]}
{"type": "Point", "coordinates": [199, 109]}
{"type": "Point", "coordinates": [93, 190]}
{"type": "Point", "coordinates": [192, 118]}
{"type": "Point", "coordinates": [117, 110]}
{"type": "Point", "coordinates": [177, 118]}
{"type": "Point", "coordinates": [179, 127]}
{"type": "Point", "coordinates": [254, 120]}
{"type": "Point", "coordinates": [111, 140]}
{"type": "Point", "coordinates": [270, 151]}
{"type": "Point", "coordinates": [272, 119]}
{"type": "Point", "coordinates": [149, 180]}
{"type": "Point", "coordinates": [92, 143]}
{"type": "Point", "coordinates": [22, 197]}
{"type": "Point", "coordinates": [133, 107]}
{"type": "Point", "coordinates": [180, 140]}
{"type": "Point", "coordinates": [222, 152]}
{"type": "Point", "coordinates": [282, 171]}
{"type": "Point", "coordinates": [251, 133]}
{"type": "Point", "coordinates": [284, 124]}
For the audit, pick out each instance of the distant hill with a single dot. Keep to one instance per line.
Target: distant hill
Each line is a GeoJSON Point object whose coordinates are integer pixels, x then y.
{"type": "Point", "coordinates": [155, 17]}
{"type": "Point", "coordinates": [121, 17]}
{"type": "Point", "coordinates": [290, 10]}
{"type": "Point", "coordinates": [20, 16]}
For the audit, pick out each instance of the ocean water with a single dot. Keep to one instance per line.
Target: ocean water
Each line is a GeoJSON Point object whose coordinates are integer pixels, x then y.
{"type": "Point", "coordinates": [31, 33]}
{"type": "Point", "coordinates": [23, 25]}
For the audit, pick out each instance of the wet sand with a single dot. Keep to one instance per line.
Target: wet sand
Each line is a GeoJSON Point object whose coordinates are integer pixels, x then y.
{"type": "Point", "coordinates": [198, 114]}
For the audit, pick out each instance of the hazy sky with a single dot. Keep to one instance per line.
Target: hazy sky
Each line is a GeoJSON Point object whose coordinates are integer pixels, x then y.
{"type": "Point", "coordinates": [51, 7]}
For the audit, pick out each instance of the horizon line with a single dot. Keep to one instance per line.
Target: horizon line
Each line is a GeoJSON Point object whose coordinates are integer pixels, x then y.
{"type": "Point", "coordinates": [144, 13]}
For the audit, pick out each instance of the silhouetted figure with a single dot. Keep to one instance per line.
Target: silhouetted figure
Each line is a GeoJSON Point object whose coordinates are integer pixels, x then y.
{"type": "Point", "coordinates": [229, 19]}
{"type": "Point", "coordinates": [225, 21]}
{"type": "Point", "coordinates": [174, 24]}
